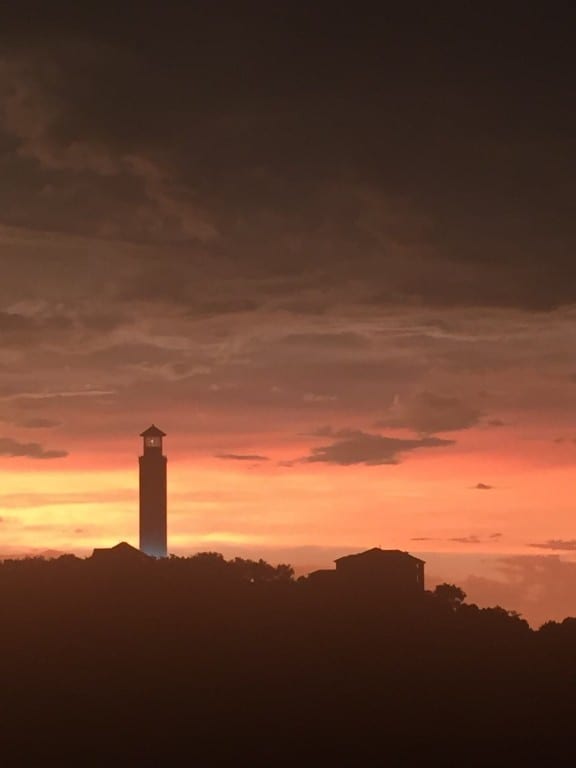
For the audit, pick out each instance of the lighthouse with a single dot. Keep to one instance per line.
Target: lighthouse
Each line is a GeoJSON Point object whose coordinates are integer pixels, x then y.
{"type": "Point", "coordinates": [153, 494]}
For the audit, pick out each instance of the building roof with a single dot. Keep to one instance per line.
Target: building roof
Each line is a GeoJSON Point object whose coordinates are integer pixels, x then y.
{"type": "Point", "coordinates": [153, 431]}
{"type": "Point", "coordinates": [322, 573]}
{"type": "Point", "coordinates": [121, 550]}
{"type": "Point", "coordinates": [381, 554]}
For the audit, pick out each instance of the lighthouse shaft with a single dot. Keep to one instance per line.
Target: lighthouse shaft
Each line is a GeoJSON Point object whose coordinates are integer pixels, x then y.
{"type": "Point", "coordinates": [153, 499]}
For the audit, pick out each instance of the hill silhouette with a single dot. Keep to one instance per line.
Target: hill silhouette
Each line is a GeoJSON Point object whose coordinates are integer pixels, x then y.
{"type": "Point", "coordinates": [206, 661]}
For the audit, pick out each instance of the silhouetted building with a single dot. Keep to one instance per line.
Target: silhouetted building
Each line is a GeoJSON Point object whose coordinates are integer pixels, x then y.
{"type": "Point", "coordinates": [389, 571]}
{"type": "Point", "coordinates": [322, 577]}
{"type": "Point", "coordinates": [119, 553]}
{"type": "Point", "coordinates": [153, 494]}
{"type": "Point", "coordinates": [383, 567]}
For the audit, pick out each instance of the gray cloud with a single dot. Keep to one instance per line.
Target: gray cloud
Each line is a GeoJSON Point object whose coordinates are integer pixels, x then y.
{"type": "Point", "coordinates": [128, 354]}
{"type": "Point", "coordinates": [483, 487]}
{"type": "Point", "coordinates": [39, 422]}
{"type": "Point", "coordinates": [429, 413]}
{"type": "Point", "coordinates": [475, 539]}
{"type": "Point", "coordinates": [30, 422]}
{"type": "Point", "coordinates": [14, 448]}
{"type": "Point", "coordinates": [241, 456]}
{"type": "Point", "coordinates": [357, 447]}
{"type": "Point", "coordinates": [10, 322]}
{"type": "Point", "coordinates": [472, 539]}
{"type": "Point", "coordinates": [567, 545]}
{"type": "Point", "coordinates": [19, 329]}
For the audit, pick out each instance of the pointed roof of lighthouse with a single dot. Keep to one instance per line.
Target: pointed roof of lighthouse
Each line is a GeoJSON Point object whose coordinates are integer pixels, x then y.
{"type": "Point", "coordinates": [153, 431]}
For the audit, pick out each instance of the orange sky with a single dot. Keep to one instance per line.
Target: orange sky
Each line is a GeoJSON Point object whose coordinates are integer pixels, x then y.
{"type": "Point", "coordinates": [308, 514]}
{"type": "Point", "coordinates": [371, 431]}
{"type": "Point", "coordinates": [428, 502]}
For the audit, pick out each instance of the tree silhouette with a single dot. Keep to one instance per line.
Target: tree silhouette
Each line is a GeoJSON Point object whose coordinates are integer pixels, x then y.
{"type": "Point", "coordinates": [155, 655]}
{"type": "Point", "coordinates": [450, 594]}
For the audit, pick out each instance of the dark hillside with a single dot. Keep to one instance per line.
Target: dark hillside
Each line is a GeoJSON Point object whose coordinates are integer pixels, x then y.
{"type": "Point", "coordinates": [200, 661]}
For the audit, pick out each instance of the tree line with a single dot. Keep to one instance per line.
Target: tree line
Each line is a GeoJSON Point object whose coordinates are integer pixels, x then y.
{"type": "Point", "coordinates": [206, 661]}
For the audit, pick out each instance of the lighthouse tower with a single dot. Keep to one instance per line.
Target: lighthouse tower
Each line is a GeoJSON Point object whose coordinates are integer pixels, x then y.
{"type": "Point", "coordinates": [153, 507]}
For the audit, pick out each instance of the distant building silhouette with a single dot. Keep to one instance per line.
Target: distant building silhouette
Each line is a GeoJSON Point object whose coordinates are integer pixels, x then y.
{"type": "Point", "coordinates": [119, 553]}
{"type": "Point", "coordinates": [389, 571]}
{"type": "Point", "coordinates": [153, 494]}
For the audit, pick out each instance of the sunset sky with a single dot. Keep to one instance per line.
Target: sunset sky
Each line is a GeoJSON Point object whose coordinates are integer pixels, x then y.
{"type": "Point", "coordinates": [330, 255]}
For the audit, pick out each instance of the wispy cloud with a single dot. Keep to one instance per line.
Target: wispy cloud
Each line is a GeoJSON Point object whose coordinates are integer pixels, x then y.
{"type": "Point", "coordinates": [241, 456]}
{"type": "Point", "coordinates": [57, 394]}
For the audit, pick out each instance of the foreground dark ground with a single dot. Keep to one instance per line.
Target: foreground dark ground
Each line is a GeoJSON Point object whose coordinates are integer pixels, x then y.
{"type": "Point", "coordinates": [203, 662]}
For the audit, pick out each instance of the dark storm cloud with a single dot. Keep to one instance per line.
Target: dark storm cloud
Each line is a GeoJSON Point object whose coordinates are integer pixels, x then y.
{"type": "Point", "coordinates": [154, 284]}
{"type": "Point", "coordinates": [352, 155]}
{"type": "Point", "coordinates": [428, 413]}
{"type": "Point", "coordinates": [13, 323]}
{"type": "Point", "coordinates": [276, 211]}
{"type": "Point", "coordinates": [241, 457]}
{"type": "Point", "coordinates": [567, 545]}
{"type": "Point", "coordinates": [467, 280]}
{"type": "Point", "coordinates": [56, 327]}
{"type": "Point", "coordinates": [357, 447]}
{"type": "Point", "coordinates": [13, 448]}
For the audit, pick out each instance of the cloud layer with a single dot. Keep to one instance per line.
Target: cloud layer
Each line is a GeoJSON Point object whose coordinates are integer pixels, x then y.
{"type": "Point", "coordinates": [428, 413]}
{"type": "Point", "coordinates": [356, 447]}
{"type": "Point", "coordinates": [207, 226]}
{"type": "Point", "coordinates": [13, 448]}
